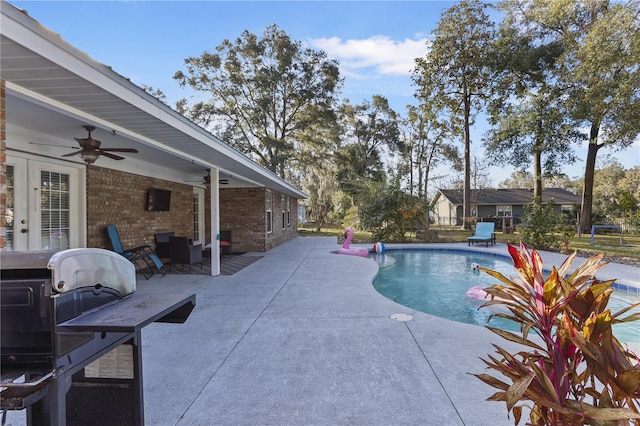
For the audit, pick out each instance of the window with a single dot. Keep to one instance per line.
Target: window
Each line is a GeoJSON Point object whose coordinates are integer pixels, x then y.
{"type": "Point", "coordinates": [196, 217]}
{"type": "Point", "coordinates": [288, 211]}
{"type": "Point", "coordinates": [269, 213]}
{"type": "Point", "coordinates": [503, 211]}
{"type": "Point", "coordinates": [54, 210]}
{"type": "Point", "coordinates": [283, 212]}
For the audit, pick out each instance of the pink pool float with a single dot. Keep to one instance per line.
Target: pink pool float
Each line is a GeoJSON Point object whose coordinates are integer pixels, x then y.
{"type": "Point", "coordinates": [352, 251]}
{"type": "Point", "coordinates": [478, 292]}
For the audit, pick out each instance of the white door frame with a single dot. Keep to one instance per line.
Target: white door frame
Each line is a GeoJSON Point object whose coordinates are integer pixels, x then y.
{"type": "Point", "coordinates": [27, 208]}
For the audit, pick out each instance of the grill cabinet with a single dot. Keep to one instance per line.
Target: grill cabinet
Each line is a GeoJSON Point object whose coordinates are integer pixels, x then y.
{"type": "Point", "coordinates": [70, 337]}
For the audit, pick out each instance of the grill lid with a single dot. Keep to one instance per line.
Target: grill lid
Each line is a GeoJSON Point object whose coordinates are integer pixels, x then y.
{"type": "Point", "coordinates": [91, 267]}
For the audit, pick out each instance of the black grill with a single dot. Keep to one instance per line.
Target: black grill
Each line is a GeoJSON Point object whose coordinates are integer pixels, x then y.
{"type": "Point", "coordinates": [62, 316]}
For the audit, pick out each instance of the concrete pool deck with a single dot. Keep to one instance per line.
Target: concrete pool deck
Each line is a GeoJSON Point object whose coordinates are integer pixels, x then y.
{"type": "Point", "coordinates": [301, 337]}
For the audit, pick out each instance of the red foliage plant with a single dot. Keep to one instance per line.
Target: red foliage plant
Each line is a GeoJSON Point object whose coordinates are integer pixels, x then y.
{"type": "Point", "coordinates": [573, 369]}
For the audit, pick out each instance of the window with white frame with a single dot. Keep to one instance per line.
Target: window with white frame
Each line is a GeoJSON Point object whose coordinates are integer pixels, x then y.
{"type": "Point", "coordinates": [196, 217]}
{"type": "Point", "coordinates": [288, 211]}
{"type": "Point", "coordinates": [269, 212]}
{"type": "Point", "coordinates": [283, 212]}
{"type": "Point", "coordinates": [503, 211]}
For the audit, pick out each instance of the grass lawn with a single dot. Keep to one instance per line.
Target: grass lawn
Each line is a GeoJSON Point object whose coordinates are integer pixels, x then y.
{"type": "Point", "coordinates": [603, 242]}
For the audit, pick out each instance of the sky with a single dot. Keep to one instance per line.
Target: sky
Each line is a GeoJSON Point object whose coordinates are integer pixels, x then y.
{"type": "Point", "coordinates": [374, 41]}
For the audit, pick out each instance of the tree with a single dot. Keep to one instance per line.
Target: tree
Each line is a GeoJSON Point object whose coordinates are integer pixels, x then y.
{"type": "Point", "coordinates": [528, 113]}
{"type": "Point", "coordinates": [265, 93]}
{"type": "Point", "coordinates": [599, 70]}
{"type": "Point", "coordinates": [518, 179]}
{"type": "Point", "coordinates": [426, 146]}
{"type": "Point", "coordinates": [370, 131]}
{"type": "Point", "coordinates": [455, 72]}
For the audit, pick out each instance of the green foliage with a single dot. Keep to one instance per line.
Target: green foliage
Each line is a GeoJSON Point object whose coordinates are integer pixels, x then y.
{"type": "Point", "coordinates": [540, 225]}
{"type": "Point", "coordinates": [576, 372]}
{"type": "Point", "coordinates": [370, 131]}
{"type": "Point", "coordinates": [389, 212]}
{"type": "Point", "coordinates": [454, 76]}
{"type": "Point", "coordinates": [322, 188]}
{"type": "Point", "coordinates": [266, 92]}
{"type": "Point", "coordinates": [350, 219]}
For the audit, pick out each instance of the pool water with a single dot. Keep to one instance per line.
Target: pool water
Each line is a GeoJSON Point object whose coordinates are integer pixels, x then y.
{"type": "Point", "coordinates": [435, 282]}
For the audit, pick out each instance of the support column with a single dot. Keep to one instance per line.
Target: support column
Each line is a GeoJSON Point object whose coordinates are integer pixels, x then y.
{"type": "Point", "coordinates": [214, 220]}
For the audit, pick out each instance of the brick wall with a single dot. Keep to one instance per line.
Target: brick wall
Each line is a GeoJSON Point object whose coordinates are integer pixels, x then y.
{"type": "Point", "coordinates": [120, 198]}
{"type": "Point", "coordinates": [3, 166]}
{"type": "Point", "coordinates": [243, 211]}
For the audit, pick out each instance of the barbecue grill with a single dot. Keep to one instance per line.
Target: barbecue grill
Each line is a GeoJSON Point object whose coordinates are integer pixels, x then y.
{"type": "Point", "coordinates": [70, 336]}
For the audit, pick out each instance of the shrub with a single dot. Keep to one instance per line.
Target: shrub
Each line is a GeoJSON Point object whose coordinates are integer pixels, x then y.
{"type": "Point", "coordinates": [541, 222]}
{"type": "Point", "coordinates": [577, 372]}
{"type": "Point", "coordinates": [389, 212]}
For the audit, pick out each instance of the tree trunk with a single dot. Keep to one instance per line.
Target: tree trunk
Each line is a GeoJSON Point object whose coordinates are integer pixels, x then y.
{"type": "Point", "coordinates": [466, 207]}
{"type": "Point", "coordinates": [537, 163]}
{"type": "Point", "coordinates": [537, 181]}
{"type": "Point", "coordinates": [589, 175]}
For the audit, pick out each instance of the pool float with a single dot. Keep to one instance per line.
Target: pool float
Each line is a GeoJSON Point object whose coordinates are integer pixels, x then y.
{"type": "Point", "coordinates": [353, 251]}
{"type": "Point", "coordinates": [477, 292]}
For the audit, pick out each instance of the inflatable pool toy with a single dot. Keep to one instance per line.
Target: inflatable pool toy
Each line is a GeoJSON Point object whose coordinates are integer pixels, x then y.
{"type": "Point", "coordinates": [477, 292]}
{"type": "Point", "coordinates": [379, 248]}
{"type": "Point", "coordinates": [353, 251]}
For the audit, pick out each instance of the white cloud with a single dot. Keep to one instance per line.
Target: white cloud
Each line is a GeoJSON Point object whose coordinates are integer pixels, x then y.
{"type": "Point", "coordinates": [376, 55]}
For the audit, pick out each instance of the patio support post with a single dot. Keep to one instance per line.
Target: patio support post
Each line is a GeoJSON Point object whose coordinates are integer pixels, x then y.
{"type": "Point", "coordinates": [215, 222]}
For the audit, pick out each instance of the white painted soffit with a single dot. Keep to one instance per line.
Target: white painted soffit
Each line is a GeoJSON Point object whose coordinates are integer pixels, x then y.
{"type": "Point", "coordinates": [37, 64]}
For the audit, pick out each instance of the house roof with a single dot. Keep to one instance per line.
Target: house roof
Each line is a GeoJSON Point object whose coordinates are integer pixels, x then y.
{"type": "Point", "coordinates": [510, 196]}
{"type": "Point", "coordinates": [54, 89]}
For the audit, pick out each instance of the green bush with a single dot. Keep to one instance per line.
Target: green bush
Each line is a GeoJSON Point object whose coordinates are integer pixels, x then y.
{"type": "Point", "coordinates": [540, 226]}
{"type": "Point", "coordinates": [389, 212]}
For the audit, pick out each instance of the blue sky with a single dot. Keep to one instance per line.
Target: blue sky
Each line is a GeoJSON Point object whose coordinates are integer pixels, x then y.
{"type": "Point", "coordinates": [375, 41]}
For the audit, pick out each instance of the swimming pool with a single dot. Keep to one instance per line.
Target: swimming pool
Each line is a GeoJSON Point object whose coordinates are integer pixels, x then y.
{"type": "Point", "coordinates": [435, 282]}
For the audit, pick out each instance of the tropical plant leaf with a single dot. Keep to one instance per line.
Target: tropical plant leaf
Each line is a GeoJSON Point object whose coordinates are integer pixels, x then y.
{"type": "Point", "coordinates": [517, 389]}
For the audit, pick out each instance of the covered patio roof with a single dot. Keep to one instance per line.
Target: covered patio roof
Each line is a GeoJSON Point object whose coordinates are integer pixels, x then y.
{"type": "Point", "coordinates": [54, 89]}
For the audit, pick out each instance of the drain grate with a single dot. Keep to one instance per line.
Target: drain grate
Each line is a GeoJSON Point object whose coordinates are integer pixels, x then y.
{"type": "Point", "coordinates": [401, 317]}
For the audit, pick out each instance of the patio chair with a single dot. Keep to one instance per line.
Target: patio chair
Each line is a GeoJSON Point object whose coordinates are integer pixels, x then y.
{"type": "Point", "coordinates": [162, 244]}
{"type": "Point", "coordinates": [484, 234]}
{"type": "Point", "coordinates": [182, 253]}
{"type": "Point", "coordinates": [142, 256]}
{"type": "Point", "coordinates": [225, 242]}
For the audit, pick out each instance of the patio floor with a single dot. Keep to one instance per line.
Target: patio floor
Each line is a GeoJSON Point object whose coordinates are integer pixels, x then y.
{"type": "Point", "coordinates": [301, 337]}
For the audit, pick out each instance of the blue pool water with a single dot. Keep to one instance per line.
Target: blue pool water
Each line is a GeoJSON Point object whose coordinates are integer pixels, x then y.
{"type": "Point", "coordinates": [435, 282]}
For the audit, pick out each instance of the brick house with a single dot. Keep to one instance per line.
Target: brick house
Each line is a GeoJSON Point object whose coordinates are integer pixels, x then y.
{"type": "Point", "coordinates": [54, 196]}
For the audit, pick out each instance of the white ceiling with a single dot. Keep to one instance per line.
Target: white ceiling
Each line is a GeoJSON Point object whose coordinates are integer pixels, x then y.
{"type": "Point", "coordinates": [53, 89]}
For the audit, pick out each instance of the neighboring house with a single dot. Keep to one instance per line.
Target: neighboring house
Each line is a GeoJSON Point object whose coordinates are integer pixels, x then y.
{"type": "Point", "coordinates": [56, 196]}
{"type": "Point", "coordinates": [496, 203]}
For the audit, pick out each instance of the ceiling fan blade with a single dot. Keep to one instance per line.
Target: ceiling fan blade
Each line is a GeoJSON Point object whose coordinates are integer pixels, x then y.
{"type": "Point", "coordinates": [112, 156]}
{"type": "Point", "coordinates": [52, 144]}
{"type": "Point", "coordinates": [135, 151]}
{"type": "Point", "coordinates": [72, 154]}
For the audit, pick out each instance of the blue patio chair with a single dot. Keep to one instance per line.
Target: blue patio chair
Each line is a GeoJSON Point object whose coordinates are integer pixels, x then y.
{"type": "Point", "coordinates": [484, 234]}
{"type": "Point", "coordinates": [139, 256]}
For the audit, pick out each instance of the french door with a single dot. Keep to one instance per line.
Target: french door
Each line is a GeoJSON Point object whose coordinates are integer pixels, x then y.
{"type": "Point", "coordinates": [43, 206]}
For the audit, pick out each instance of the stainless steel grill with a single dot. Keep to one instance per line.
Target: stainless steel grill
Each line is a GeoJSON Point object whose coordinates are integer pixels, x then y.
{"type": "Point", "coordinates": [63, 316]}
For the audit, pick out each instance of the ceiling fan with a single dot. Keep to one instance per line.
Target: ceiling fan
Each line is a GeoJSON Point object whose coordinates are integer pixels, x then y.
{"type": "Point", "coordinates": [90, 149]}
{"type": "Point", "coordinates": [206, 180]}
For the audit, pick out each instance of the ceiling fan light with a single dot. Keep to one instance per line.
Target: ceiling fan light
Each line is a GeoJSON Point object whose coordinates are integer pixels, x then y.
{"type": "Point", "coordinates": [89, 157]}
